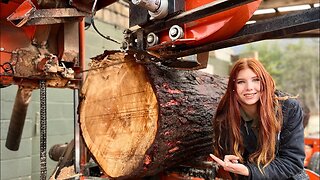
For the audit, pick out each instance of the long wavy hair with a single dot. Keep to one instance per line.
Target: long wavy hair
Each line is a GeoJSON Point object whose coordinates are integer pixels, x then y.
{"type": "Point", "coordinates": [227, 137]}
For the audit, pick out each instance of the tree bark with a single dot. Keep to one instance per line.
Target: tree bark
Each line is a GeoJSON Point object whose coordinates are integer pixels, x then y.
{"type": "Point", "coordinates": [138, 119]}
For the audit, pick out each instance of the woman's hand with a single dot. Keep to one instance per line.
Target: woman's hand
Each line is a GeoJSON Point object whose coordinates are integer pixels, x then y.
{"type": "Point", "coordinates": [230, 163]}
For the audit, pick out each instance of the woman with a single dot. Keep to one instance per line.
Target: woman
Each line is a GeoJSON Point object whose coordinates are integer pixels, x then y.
{"type": "Point", "coordinates": [258, 130]}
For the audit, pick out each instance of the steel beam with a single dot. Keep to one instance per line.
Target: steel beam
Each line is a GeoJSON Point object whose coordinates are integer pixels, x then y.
{"type": "Point", "coordinates": [195, 14]}
{"type": "Point", "coordinates": [279, 27]}
{"type": "Point", "coordinates": [55, 16]}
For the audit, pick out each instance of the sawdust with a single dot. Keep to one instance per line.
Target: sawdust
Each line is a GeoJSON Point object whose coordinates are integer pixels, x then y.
{"type": "Point", "coordinates": [65, 173]}
{"type": "Point", "coordinates": [107, 59]}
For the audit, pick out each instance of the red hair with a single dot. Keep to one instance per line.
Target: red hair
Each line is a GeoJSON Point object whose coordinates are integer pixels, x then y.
{"type": "Point", "coordinates": [227, 121]}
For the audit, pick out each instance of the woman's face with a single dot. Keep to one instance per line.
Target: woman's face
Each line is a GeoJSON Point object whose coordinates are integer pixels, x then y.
{"type": "Point", "coordinates": [248, 87]}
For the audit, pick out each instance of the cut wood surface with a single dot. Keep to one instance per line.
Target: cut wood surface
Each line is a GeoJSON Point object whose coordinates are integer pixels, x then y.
{"type": "Point", "coordinates": [139, 119]}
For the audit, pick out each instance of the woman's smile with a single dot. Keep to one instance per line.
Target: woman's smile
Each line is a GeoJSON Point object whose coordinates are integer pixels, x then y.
{"type": "Point", "coordinates": [248, 87]}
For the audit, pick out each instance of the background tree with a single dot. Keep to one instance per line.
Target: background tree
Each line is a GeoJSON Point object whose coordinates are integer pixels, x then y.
{"type": "Point", "coordinates": [294, 64]}
{"type": "Point", "coordinates": [270, 55]}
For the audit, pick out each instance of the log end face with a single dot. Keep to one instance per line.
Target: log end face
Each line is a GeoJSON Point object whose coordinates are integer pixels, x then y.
{"type": "Point", "coordinates": [118, 117]}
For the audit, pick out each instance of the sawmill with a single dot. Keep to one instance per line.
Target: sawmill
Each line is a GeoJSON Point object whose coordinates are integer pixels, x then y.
{"type": "Point", "coordinates": [143, 111]}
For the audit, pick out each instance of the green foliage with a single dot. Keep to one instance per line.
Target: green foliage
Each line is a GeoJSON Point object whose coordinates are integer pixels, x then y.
{"type": "Point", "coordinates": [267, 51]}
{"type": "Point", "coordinates": [294, 65]}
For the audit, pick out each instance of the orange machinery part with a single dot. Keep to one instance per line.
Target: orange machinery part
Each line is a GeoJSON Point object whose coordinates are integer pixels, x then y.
{"type": "Point", "coordinates": [312, 175]}
{"type": "Point", "coordinates": [11, 37]}
{"type": "Point", "coordinates": [312, 145]}
{"type": "Point", "coordinates": [313, 142]}
{"type": "Point", "coordinates": [11, 7]}
{"type": "Point", "coordinates": [215, 27]}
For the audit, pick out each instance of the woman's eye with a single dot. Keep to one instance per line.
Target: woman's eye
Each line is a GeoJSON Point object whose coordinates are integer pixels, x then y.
{"type": "Point", "coordinates": [240, 82]}
{"type": "Point", "coordinates": [256, 80]}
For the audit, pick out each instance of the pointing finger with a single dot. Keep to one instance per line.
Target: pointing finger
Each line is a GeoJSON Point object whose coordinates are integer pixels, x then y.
{"type": "Point", "coordinates": [219, 161]}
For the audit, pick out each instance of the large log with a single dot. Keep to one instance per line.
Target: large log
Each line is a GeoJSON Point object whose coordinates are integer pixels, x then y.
{"type": "Point", "coordinates": [138, 119]}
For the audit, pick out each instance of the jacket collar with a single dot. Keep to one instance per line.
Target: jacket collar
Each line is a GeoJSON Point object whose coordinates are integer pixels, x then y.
{"type": "Point", "coordinates": [247, 118]}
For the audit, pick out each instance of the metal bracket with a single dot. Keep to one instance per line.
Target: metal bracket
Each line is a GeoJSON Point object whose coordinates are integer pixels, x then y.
{"type": "Point", "coordinates": [279, 27]}
{"type": "Point", "coordinates": [194, 14]}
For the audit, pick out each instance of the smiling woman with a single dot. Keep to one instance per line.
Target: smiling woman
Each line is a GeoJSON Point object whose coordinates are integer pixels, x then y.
{"type": "Point", "coordinates": [248, 90]}
{"type": "Point", "coordinates": [258, 131]}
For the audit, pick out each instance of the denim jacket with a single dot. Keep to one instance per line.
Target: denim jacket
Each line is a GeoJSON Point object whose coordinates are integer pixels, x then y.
{"type": "Point", "coordinates": [289, 161]}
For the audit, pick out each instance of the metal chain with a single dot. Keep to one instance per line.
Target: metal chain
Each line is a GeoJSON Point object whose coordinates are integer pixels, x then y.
{"type": "Point", "coordinates": [43, 130]}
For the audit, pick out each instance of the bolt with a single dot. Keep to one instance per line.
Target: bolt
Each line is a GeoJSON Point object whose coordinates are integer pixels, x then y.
{"type": "Point", "coordinates": [150, 39]}
{"type": "Point", "coordinates": [124, 45]}
{"type": "Point", "coordinates": [174, 32]}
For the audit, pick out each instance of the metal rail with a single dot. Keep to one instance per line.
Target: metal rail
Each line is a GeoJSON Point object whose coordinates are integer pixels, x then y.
{"type": "Point", "coordinates": [279, 27]}
{"type": "Point", "coordinates": [194, 14]}
{"type": "Point", "coordinates": [77, 135]}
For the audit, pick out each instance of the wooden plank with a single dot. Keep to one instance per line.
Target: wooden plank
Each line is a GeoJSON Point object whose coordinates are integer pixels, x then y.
{"type": "Point", "coordinates": [267, 4]}
{"type": "Point", "coordinates": [306, 34]}
{"type": "Point", "coordinates": [268, 15]}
